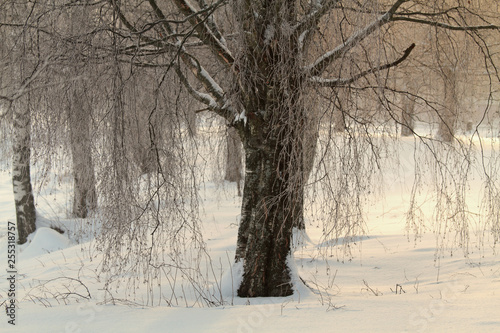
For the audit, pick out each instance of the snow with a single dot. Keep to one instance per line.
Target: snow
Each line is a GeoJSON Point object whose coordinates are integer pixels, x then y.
{"type": "Point", "coordinates": [269, 34]}
{"type": "Point", "coordinates": [301, 39]}
{"type": "Point", "coordinates": [214, 87]}
{"type": "Point", "coordinates": [241, 116]}
{"type": "Point", "coordinates": [389, 284]}
{"type": "Point", "coordinates": [44, 240]}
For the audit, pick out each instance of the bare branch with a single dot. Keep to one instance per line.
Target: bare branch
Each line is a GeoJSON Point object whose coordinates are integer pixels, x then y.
{"type": "Point", "coordinates": [23, 89]}
{"type": "Point", "coordinates": [201, 97]}
{"type": "Point", "coordinates": [445, 25]}
{"type": "Point", "coordinates": [313, 18]}
{"type": "Point", "coordinates": [326, 59]}
{"type": "Point", "coordinates": [216, 101]}
{"type": "Point", "coordinates": [211, 22]}
{"type": "Point", "coordinates": [318, 81]}
{"type": "Point", "coordinates": [216, 45]}
{"type": "Point", "coordinates": [441, 13]}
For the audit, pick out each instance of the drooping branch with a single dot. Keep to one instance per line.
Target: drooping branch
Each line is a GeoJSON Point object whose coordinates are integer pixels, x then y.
{"type": "Point", "coordinates": [215, 97]}
{"type": "Point", "coordinates": [321, 63]}
{"type": "Point", "coordinates": [23, 89]}
{"type": "Point", "coordinates": [121, 16]}
{"type": "Point", "coordinates": [321, 82]}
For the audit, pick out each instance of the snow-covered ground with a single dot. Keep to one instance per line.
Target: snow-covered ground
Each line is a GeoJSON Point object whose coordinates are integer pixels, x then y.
{"type": "Point", "coordinates": [390, 284]}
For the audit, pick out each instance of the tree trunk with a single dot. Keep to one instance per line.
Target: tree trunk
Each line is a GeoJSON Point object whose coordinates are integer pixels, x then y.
{"type": "Point", "coordinates": [191, 120]}
{"type": "Point", "coordinates": [234, 163]}
{"type": "Point", "coordinates": [311, 135]}
{"type": "Point", "coordinates": [21, 179]}
{"type": "Point", "coordinates": [272, 206]}
{"type": "Point", "coordinates": [342, 105]}
{"type": "Point", "coordinates": [448, 117]}
{"type": "Point", "coordinates": [271, 89]}
{"type": "Point", "coordinates": [408, 122]}
{"type": "Point", "coordinates": [85, 197]}
{"type": "Point", "coordinates": [339, 121]}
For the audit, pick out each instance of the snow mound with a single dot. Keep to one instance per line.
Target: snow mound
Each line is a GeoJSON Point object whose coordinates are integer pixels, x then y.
{"type": "Point", "coordinates": [227, 288]}
{"type": "Point", "coordinates": [45, 240]}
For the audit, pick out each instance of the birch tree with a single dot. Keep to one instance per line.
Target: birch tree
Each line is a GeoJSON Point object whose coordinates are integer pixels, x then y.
{"type": "Point", "coordinates": [267, 54]}
{"type": "Point", "coordinates": [23, 71]}
{"type": "Point", "coordinates": [38, 78]}
{"type": "Point", "coordinates": [79, 112]}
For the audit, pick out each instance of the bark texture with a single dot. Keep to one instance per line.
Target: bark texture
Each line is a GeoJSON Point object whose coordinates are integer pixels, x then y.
{"type": "Point", "coordinates": [272, 88]}
{"type": "Point", "coordinates": [271, 208]}
{"type": "Point", "coordinates": [21, 179]}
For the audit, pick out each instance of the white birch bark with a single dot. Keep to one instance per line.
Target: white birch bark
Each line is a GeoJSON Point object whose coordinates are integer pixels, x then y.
{"type": "Point", "coordinates": [21, 180]}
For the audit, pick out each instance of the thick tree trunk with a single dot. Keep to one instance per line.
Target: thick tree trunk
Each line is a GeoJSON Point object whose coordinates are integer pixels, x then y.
{"type": "Point", "coordinates": [271, 89]}
{"type": "Point", "coordinates": [21, 179]}
{"type": "Point", "coordinates": [272, 207]}
{"type": "Point", "coordinates": [85, 197]}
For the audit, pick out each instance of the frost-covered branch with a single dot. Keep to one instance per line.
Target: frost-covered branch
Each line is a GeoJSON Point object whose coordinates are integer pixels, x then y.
{"type": "Point", "coordinates": [327, 58]}
{"type": "Point", "coordinates": [26, 82]}
{"type": "Point", "coordinates": [204, 30]}
{"type": "Point", "coordinates": [312, 19]}
{"type": "Point", "coordinates": [210, 20]}
{"type": "Point", "coordinates": [216, 99]}
{"type": "Point", "coordinates": [201, 97]}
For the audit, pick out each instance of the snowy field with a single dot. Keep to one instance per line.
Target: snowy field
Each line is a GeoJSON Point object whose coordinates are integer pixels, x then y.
{"type": "Point", "coordinates": [390, 283]}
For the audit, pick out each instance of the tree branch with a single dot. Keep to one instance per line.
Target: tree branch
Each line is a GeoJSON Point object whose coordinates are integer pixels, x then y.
{"type": "Point", "coordinates": [39, 68]}
{"type": "Point", "coordinates": [215, 97]}
{"type": "Point", "coordinates": [326, 59]}
{"type": "Point", "coordinates": [313, 18]}
{"type": "Point", "coordinates": [211, 22]}
{"type": "Point", "coordinates": [441, 13]}
{"type": "Point", "coordinates": [320, 82]}
{"type": "Point", "coordinates": [217, 105]}
{"type": "Point", "coordinates": [446, 26]}
{"type": "Point", "coordinates": [216, 45]}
